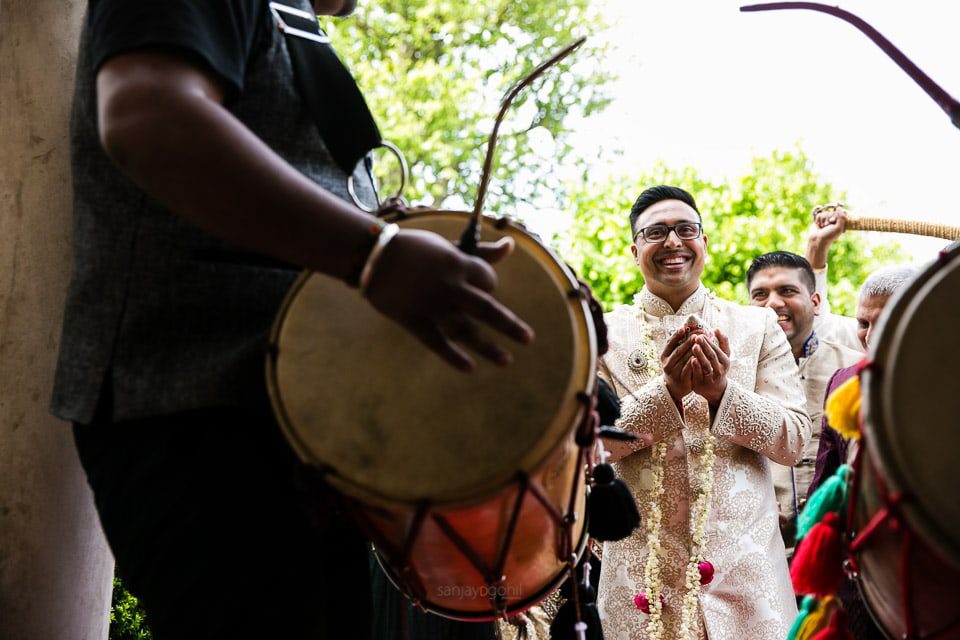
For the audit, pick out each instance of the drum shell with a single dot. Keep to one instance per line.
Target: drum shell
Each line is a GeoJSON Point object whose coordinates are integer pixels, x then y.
{"type": "Point", "coordinates": [443, 580]}
{"type": "Point", "coordinates": [883, 575]}
{"type": "Point", "coordinates": [911, 419]}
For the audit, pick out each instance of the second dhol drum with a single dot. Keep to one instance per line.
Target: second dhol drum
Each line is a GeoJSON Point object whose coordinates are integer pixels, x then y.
{"type": "Point", "coordinates": [905, 513]}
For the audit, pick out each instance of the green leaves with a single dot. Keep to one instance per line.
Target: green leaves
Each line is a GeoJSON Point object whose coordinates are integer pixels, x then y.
{"type": "Point", "coordinates": [127, 620]}
{"type": "Point", "coordinates": [767, 209]}
{"type": "Point", "coordinates": [434, 73]}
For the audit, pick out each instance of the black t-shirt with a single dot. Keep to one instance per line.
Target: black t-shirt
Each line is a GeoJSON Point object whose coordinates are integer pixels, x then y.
{"type": "Point", "coordinates": [218, 33]}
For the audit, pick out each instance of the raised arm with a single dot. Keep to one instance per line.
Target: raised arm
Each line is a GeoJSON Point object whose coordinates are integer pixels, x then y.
{"type": "Point", "coordinates": [828, 224]}
{"type": "Point", "coordinates": [163, 123]}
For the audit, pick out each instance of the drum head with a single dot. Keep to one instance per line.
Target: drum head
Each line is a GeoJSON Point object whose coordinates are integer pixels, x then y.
{"type": "Point", "coordinates": [358, 395]}
{"type": "Point", "coordinates": [912, 402]}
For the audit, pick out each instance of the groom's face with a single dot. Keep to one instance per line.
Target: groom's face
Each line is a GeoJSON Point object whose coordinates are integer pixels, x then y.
{"type": "Point", "coordinates": [674, 264]}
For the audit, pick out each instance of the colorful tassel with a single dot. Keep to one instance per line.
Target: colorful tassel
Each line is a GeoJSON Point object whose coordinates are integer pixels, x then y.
{"type": "Point", "coordinates": [843, 408]}
{"type": "Point", "coordinates": [829, 496]}
{"type": "Point", "coordinates": [837, 630]}
{"type": "Point", "coordinates": [818, 620]}
{"type": "Point", "coordinates": [808, 606]}
{"type": "Point", "coordinates": [817, 566]}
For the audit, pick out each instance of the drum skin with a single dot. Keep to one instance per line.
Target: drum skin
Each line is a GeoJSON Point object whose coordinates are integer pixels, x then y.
{"type": "Point", "coordinates": [399, 432]}
{"type": "Point", "coordinates": [912, 433]}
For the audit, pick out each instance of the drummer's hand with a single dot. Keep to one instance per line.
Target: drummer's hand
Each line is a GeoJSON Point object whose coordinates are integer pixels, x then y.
{"type": "Point", "coordinates": [710, 365]}
{"type": "Point", "coordinates": [441, 295]}
{"type": "Point", "coordinates": [675, 362]}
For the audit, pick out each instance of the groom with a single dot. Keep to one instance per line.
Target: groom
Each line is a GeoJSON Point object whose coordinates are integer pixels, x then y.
{"type": "Point", "coordinates": [712, 406]}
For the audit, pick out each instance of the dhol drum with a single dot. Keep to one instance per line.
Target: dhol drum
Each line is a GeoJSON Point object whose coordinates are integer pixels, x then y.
{"type": "Point", "coordinates": [471, 486]}
{"type": "Point", "coordinates": [905, 511]}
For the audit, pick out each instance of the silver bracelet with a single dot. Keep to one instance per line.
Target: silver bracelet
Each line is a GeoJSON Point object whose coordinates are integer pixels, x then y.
{"type": "Point", "coordinates": [387, 233]}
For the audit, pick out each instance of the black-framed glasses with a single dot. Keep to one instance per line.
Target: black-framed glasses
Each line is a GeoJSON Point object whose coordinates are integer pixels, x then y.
{"type": "Point", "coordinates": [657, 233]}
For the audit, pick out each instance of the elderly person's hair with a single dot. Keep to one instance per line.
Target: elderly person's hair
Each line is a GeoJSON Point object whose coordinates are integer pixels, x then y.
{"type": "Point", "coordinates": [886, 281]}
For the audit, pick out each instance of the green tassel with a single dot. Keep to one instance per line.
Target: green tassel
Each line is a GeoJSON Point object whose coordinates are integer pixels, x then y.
{"type": "Point", "coordinates": [808, 606]}
{"type": "Point", "coordinates": [830, 496]}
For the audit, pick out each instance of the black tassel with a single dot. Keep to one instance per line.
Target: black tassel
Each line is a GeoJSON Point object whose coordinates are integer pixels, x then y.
{"type": "Point", "coordinates": [608, 404]}
{"type": "Point", "coordinates": [564, 625]}
{"type": "Point", "coordinates": [611, 510]}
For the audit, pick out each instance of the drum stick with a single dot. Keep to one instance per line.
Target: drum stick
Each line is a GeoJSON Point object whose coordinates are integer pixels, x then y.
{"type": "Point", "coordinates": [471, 236]}
{"type": "Point", "coordinates": [943, 99]}
{"type": "Point", "coordinates": [915, 227]}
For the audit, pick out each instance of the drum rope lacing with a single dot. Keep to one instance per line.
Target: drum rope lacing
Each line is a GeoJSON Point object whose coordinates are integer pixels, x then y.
{"type": "Point", "coordinates": [493, 575]}
{"type": "Point", "coordinates": [890, 515]}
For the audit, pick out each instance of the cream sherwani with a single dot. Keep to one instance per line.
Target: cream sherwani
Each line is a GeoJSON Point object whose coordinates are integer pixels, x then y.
{"type": "Point", "coordinates": [791, 484]}
{"type": "Point", "coordinates": [760, 418]}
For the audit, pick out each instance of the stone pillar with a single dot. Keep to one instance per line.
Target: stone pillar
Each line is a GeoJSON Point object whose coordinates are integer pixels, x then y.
{"type": "Point", "coordinates": [55, 567]}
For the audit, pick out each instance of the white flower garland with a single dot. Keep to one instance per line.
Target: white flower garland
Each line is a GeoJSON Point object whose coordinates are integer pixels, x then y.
{"type": "Point", "coordinates": [689, 622]}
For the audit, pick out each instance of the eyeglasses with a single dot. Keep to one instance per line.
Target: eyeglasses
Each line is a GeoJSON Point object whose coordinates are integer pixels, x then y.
{"type": "Point", "coordinates": [657, 233]}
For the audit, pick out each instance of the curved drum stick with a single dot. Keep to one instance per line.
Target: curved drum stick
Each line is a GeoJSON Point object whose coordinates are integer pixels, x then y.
{"type": "Point", "coordinates": [935, 91]}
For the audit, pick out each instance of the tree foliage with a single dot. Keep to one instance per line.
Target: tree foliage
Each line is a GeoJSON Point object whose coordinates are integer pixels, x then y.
{"type": "Point", "coordinates": [765, 210]}
{"type": "Point", "coordinates": [434, 72]}
{"type": "Point", "coordinates": [127, 620]}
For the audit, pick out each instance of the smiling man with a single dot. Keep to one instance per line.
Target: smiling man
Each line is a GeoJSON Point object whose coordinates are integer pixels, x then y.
{"type": "Point", "coordinates": [711, 407]}
{"type": "Point", "coordinates": [785, 283]}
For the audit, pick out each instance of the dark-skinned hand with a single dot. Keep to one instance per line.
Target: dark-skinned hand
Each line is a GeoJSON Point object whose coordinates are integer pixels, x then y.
{"type": "Point", "coordinates": [443, 296]}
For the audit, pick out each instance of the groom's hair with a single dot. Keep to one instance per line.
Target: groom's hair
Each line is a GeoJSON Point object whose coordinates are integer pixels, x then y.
{"type": "Point", "coordinates": [653, 195]}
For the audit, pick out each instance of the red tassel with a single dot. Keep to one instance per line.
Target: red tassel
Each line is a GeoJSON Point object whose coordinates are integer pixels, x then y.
{"type": "Point", "coordinates": [837, 630]}
{"type": "Point", "coordinates": [817, 566]}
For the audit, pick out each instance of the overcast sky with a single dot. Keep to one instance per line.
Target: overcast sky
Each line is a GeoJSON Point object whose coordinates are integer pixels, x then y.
{"type": "Point", "coordinates": [703, 84]}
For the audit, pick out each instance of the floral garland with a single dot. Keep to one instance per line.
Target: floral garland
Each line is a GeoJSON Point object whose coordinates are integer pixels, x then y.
{"type": "Point", "coordinates": [698, 570]}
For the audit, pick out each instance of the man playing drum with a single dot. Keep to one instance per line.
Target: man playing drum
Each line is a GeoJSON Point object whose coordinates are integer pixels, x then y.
{"type": "Point", "coordinates": [713, 393]}
{"type": "Point", "coordinates": [785, 282]}
{"type": "Point", "coordinates": [201, 187]}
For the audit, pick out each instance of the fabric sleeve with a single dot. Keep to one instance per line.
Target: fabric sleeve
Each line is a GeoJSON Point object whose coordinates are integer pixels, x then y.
{"type": "Point", "coordinates": [770, 419]}
{"type": "Point", "coordinates": [218, 34]}
{"type": "Point", "coordinates": [820, 280]}
{"type": "Point", "coordinates": [648, 411]}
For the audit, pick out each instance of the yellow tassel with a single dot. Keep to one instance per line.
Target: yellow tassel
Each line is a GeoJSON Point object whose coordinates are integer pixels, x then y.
{"type": "Point", "coordinates": [819, 619]}
{"type": "Point", "coordinates": [843, 408]}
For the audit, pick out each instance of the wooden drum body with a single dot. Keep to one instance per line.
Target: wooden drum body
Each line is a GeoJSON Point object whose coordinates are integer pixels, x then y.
{"type": "Point", "coordinates": [906, 510]}
{"type": "Point", "coordinates": [470, 485]}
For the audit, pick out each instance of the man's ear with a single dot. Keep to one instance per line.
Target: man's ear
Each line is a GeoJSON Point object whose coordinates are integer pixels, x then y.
{"type": "Point", "coordinates": [704, 241]}
{"type": "Point", "coordinates": [815, 298]}
{"type": "Point", "coordinates": [634, 251]}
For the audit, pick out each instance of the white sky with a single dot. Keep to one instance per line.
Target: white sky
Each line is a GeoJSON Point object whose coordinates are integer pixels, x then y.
{"type": "Point", "coordinates": [703, 84]}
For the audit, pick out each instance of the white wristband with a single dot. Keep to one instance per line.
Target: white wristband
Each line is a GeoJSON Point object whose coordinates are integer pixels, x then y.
{"type": "Point", "coordinates": [387, 233]}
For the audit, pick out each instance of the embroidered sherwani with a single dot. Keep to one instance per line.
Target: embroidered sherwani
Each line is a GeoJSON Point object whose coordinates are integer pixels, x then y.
{"type": "Point", "coordinates": [761, 417]}
{"type": "Point", "coordinates": [820, 361]}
